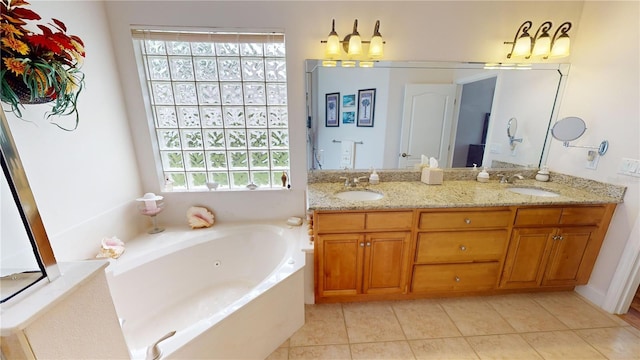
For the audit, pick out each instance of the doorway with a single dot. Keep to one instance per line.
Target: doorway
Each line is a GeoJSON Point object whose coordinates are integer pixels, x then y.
{"type": "Point", "coordinates": [473, 121]}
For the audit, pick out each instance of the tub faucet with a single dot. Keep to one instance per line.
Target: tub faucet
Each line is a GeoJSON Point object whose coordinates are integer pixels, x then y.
{"type": "Point", "coordinates": [153, 351]}
{"type": "Point", "coordinates": [509, 179]}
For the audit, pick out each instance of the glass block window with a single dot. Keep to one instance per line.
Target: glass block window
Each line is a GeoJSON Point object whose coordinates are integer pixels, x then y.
{"type": "Point", "coordinates": [219, 107]}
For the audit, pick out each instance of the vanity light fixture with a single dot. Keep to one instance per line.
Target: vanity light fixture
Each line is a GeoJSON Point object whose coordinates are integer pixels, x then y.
{"type": "Point", "coordinates": [541, 44]}
{"type": "Point", "coordinates": [352, 46]}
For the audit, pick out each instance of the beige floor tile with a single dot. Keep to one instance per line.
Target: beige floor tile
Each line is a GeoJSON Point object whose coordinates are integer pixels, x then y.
{"type": "Point", "coordinates": [573, 311]}
{"type": "Point", "coordinates": [614, 343]}
{"type": "Point", "coordinates": [396, 350]}
{"type": "Point", "coordinates": [524, 314]}
{"type": "Point", "coordinates": [438, 349]}
{"type": "Point", "coordinates": [561, 345]}
{"type": "Point", "coordinates": [324, 325]}
{"type": "Point", "coordinates": [474, 316]}
{"type": "Point", "coordinates": [285, 343]}
{"type": "Point", "coordinates": [424, 319]}
{"type": "Point", "coordinates": [322, 352]}
{"type": "Point", "coordinates": [510, 346]}
{"type": "Point", "coordinates": [281, 353]}
{"type": "Point", "coordinates": [373, 321]}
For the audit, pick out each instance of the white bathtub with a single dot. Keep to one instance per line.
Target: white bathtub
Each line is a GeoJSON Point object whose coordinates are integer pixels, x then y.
{"type": "Point", "coordinates": [230, 291]}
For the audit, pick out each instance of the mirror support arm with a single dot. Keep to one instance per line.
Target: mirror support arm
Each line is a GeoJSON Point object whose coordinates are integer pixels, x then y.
{"type": "Point", "coordinates": [602, 149]}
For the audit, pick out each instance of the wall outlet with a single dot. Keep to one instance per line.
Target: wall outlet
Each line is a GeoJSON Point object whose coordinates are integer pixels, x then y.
{"type": "Point", "coordinates": [592, 163]}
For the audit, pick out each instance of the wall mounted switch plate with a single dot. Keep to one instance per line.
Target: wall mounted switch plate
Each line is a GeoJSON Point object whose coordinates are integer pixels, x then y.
{"type": "Point", "coordinates": [630, 167]}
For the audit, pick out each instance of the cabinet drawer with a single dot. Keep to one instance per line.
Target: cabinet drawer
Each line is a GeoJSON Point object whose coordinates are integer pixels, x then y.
{"type": "Point", "coordinates": [462, 246]}
{"type": "Point", "coordinates": [591, 215]}
{"type": "Point", "coordinates": [469, 277]}
{"type": "Point", "coordinates": [461, 220]}
{"type": "Point", "coordinates": [340, 222]}
{"type": "Point", "coordinates": [389, 220]}
{"type": "Point", "coordinates": [538, 216]}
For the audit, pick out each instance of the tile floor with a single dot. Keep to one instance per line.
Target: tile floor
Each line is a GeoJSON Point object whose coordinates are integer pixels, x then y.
{"type": "Point", "coordinates": [559, 325]}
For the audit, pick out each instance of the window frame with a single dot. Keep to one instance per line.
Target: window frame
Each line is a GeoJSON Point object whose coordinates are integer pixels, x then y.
{"type": "Point", "coordinates": [272, 172]}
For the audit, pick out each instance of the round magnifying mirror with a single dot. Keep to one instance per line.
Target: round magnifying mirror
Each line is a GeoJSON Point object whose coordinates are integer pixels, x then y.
{"type": "Point", "coordinates": [512, 127]}
{"type": "Point", "coordinates": [568, 129]}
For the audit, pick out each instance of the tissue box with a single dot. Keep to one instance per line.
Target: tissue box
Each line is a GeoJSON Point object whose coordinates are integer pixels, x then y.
{"type": "Point", "coordinates": [432, 176]}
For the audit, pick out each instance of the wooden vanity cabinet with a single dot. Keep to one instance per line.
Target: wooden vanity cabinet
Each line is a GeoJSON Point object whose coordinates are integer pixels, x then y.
{"type": "Point", "coordinates": [460, 250]}
{"type": "Point", "coordinates": [554, 246]}
{"type": "Point", "coordinates": [361, 254]}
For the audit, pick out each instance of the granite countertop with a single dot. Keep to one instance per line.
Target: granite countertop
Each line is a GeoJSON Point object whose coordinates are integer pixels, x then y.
{"type": "Point", "coordinates": [457, 193]}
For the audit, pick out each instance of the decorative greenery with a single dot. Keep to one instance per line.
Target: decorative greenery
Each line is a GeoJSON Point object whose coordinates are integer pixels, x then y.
{"type": "Point", "coordinates": [39, 67]}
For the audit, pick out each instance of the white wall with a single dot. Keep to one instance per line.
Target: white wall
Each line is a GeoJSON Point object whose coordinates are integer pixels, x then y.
{"type": "Point", "coordinates": [84, 181]}
{"type": "Point", "coordinates": [603, 89]}
{"type": "Point", "coordinates": [475, 31]}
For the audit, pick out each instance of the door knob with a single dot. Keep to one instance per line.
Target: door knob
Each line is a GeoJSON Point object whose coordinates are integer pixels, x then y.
{"type": "Point", "coordinates": [405, 154]}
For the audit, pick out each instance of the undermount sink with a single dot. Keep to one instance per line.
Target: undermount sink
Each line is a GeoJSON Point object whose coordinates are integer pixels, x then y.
{"type": "Point", "coordinates": [359, 195]}
{"type": "Point", "coordinates": [533, 191]}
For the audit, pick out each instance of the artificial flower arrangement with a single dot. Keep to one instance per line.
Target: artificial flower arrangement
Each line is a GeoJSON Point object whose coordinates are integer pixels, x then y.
{"type": "Point", "coordinates": [39, 67]}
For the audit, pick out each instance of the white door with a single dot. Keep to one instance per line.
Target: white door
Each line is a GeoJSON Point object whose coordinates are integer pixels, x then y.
{"type": "Point", "coordinates": [426, 123]}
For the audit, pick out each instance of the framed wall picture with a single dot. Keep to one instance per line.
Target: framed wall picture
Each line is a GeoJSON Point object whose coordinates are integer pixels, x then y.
{"type": "Point", "coordinates": [366, 106]}
{"type": "Point", "coordinates": [348, 117]}
{"type": "Point", "coordinates": [349, 100]}
{"type": "Point", "coordinates": [332, 110]}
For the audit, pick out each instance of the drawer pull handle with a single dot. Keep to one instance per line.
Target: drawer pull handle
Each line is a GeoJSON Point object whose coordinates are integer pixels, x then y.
{"type": "Point", "coordinates": [368, 243]}
{"type": "Point", "coordinates": [361, 244]}
{"type": "Point", "coordinates": [560, 237]}
{"type": "Point", "coordinates": [463, 248]}
{"type": "Point", "coordinates": [457, 279]}
{"type": "Point", "coordinates": [467, 221]}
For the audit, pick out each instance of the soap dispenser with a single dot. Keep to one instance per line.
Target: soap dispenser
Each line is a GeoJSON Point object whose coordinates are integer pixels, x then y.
{"type": "Point", "coordinates": [483, 176]}
{"type": "Point", "coordinates": [543, 174]}
{"type": "Point", "coordinates": [374, 178]}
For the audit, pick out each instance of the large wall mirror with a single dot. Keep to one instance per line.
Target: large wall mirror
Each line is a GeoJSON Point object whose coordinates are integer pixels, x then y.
{"type": "Point", "coordinates": [457, 113]}
{"type": "Point", "coordinates": [26, 256]}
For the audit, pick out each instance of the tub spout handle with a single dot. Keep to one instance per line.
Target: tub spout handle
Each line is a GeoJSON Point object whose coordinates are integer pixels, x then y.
{"type": "Point", "coordinates": [153, 351]}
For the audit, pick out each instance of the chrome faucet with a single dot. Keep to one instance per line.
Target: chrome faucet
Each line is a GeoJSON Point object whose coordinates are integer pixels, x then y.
{"type": "Point", "coordinates": [153, 351]}
{"type": "Point", "coordinates": [349, 182]}
{"type": "Point", "coordinates": [509, 179]}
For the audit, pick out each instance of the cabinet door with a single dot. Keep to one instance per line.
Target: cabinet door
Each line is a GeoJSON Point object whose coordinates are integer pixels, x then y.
{"type": "Point", "coordinates": [340, 264]}
{"type": "Point", "coordinates": [527, 257]}
{"type": "Point", "coordinates": [385, 263]}
{"type": "Point", "coordinates": [567, 252]}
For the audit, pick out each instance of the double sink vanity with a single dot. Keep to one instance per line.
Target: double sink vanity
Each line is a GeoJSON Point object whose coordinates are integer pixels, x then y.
{"type": "Point", "coordinates": [403, 239]}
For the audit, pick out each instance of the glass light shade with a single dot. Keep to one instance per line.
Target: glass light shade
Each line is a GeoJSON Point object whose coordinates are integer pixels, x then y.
{"type": "Point", "coordinates": [522, 47]}
{"type": "Point", "coordinates": [542, 46]}
{"type": "Point", "coordinates": [355, 45]}
{"type": "Point", "coordinates": [348, 63]}
{"type": "Point", "coordinates": [332, 50]}
{"type": "Point", "coordinates": [329, 63]}
{"type": "Point", "coordinates": [561, 47]}
{"type": "Point", "coordinates": [376, 47]}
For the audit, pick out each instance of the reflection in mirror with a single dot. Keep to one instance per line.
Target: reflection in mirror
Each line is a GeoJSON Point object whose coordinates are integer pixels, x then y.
{"type": "Point", "coordinates": [512, 129]}
{"type": "Point", "coordinates": [19, 266]}
{"type": "Point", "coordinates": [455, 112]}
